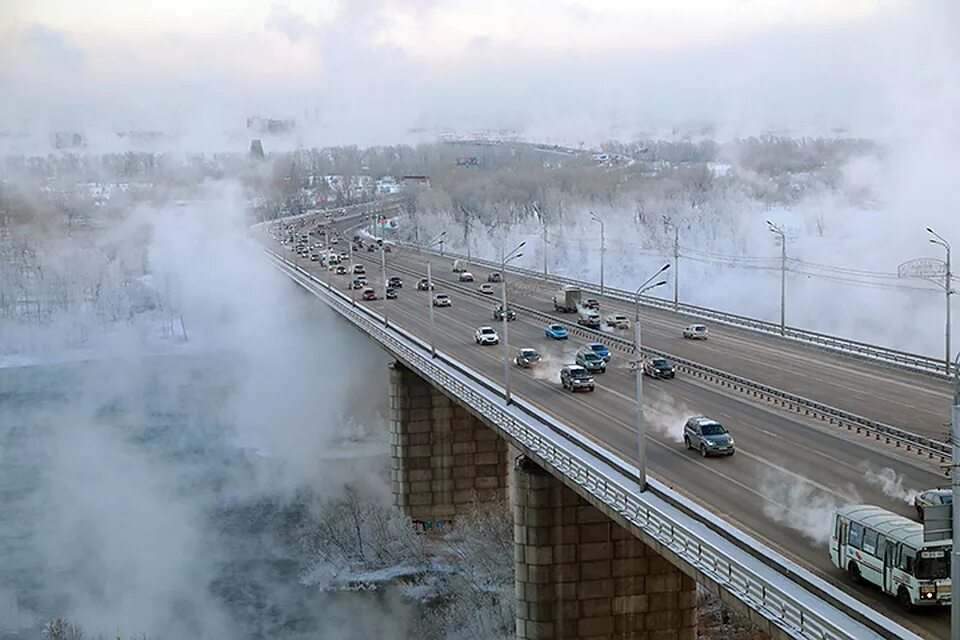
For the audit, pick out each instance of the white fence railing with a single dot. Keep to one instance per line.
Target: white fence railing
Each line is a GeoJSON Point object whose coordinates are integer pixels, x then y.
{"type": "Point", "coordinates": [786, 595]}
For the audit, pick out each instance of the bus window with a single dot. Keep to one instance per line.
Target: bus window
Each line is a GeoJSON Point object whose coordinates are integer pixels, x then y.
{"type": "Point", "coordinates": [881, 546]}
{"type": "Point", "coordinates": [855, 536]}
{"type": "Point", "coordinates": [907, 556]}
{"type": "Point", "coordinates": [870, 541]}
{"type": "Point", "coordinates": [933, 565]}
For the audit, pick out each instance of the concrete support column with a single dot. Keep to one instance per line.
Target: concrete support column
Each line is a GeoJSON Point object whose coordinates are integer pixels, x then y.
{"type": "Point", "coordinates": [580, 575]}
{"type": "Point", "coordinates": [443, 458]}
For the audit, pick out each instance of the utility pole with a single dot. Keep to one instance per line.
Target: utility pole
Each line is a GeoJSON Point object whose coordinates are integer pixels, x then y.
{"type": "Point", "coordinates": [638, 354]}
{"type": "Point", "coordinates": [778, 231]}
{"type": "Point", "coordinates": [676, 268]}
{"type": "Point", "coordinates": [948, 290]}
{"type": "Point", "coordinates": [955, 485]}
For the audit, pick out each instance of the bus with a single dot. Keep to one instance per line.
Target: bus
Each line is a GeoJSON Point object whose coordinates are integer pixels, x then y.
{"type": "Point", "coordinates": [885, 549]}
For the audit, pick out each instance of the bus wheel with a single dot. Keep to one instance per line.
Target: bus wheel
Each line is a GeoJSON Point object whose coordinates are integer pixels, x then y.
{"type": "Point", "coordinates": [854, 572]}
{"type": "Point", "coordinates": [903, 597]}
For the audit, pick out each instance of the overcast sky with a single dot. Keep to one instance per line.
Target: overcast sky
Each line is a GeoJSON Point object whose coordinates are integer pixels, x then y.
{"type": "Point", "coordinates": [371, 70]}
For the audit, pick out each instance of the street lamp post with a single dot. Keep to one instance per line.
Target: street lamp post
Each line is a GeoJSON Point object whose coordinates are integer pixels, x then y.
{"type": "Point", "coordinates": [948, 288]}
{"type": "Point", "coordinates": [438, 240]}
{"type": "Point", "coordinates": [505, 258]}
{"type": "Point", "coordinates": [637, 345]}
{"type": "Point", "coordinates": [955, 486]}
{"type": "Point", "coordinates": [778, 231]}
{"type": "Point", "coordinates": [383, 276]}
{"type": "Point", "coordinates": [351, 277]}
{"type": "Point", "coordinates": [603, 246]}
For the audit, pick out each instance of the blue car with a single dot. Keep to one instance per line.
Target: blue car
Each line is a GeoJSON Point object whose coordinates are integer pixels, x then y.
{"type": "Point", "coordinates": [600, 350]}
{"type": "Point", "coordinates": [556, 331]}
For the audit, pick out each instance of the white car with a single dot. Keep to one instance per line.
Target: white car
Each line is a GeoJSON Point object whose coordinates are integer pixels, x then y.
{"type": "Point", "coordinates": [485, 288]}
{"type": "Point", "coordinates": [618, 321]}
{"type": "Point", "coordinates": [486, 335]}
{"type": "Point", "coordinates": [695, 332]}
{"type": "Point", "coordinates": [442, 300]}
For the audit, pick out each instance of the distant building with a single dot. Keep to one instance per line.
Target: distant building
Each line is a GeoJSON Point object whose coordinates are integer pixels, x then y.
{"type": "Point", "coordinates": [256, 149]}
{"type": "Point", "coordinates": [271, 126]}
{"type": "Point", "coordinates": [468, 161]}
{"type": "Point", "coordinates": [387, 185]}
{"type": "Point", "coordinates": [421, 181]}
{"type": "Point", "coordinates": [68, 140]}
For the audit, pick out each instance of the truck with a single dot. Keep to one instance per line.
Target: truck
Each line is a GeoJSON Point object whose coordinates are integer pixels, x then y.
{"type": "Point", "coordinates": [567, 299]}
{"type": "Point", "coordinates": [459, 266]}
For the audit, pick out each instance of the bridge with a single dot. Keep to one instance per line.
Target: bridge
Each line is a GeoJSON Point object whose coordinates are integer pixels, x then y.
{"type": "Point", "coordinates": [595, 557]}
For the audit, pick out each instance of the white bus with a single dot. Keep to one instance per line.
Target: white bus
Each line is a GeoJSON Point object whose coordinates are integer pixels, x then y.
{"type": "Point", "coordinates": [880, 547]}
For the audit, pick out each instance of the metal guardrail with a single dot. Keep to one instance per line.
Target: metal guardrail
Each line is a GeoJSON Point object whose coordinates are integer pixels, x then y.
{"type": "Point", "coordinates": [902, 359]}
{"type": "Point", "coordinates": [797, 611]}
{"type": "Point", "coordinates": [810, 408]}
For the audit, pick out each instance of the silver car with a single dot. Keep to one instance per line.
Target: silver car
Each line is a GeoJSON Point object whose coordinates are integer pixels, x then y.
{"type": "Point", "coordinates": [708, 437]}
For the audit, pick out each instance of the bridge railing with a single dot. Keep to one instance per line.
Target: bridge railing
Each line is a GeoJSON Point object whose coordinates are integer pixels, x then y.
{"type": "Point", "coordinates": [786, 595]}
{"type": "Point", "coordinates": [893, 357]}
{"type": "Point", "coordinates": [791, 401]}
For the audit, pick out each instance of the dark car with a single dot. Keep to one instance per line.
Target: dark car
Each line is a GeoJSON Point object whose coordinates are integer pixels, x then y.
{"type": "Point", "coordinates": [592, 303]}
{"type": "Point", "coordinates": [498, 313]}
{"type": "Point", "coordinates": [395, 282]}
{"type": "Point", "coordinates": [591, 361]}
{"type": "Point", "coordinates": [390, 293]}
{"type": "Point", "coordinates": [708, 437]}
{"type": "Point", "coordinates": [931, 497]}
{"type": "Point", "coordinates": [574, 377]}
{"type": "Point", "coordinates": [658, 368]}
{"type": "Point", "coordinates": [371, 248]}
{"type": "Point", "coordinates": [341, 270]}
{"type": "Point", "coordinates": [369, 294]}
{"type": "Point", "coordinates": [423, 284]}
{"type": "Point", "coordinates": [527, 358]}
{"type": "Point", "coordinates": [494, 277]}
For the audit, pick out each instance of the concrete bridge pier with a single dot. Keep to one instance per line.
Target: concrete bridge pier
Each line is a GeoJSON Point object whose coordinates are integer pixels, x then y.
{"type": "Point", "coordinates": [444, 460]}
{"type": "Point", "coordinates": [580, 575]}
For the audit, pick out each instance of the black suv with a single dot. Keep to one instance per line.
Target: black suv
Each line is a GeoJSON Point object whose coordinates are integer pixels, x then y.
{"type": "Point", "coordinates": [395, 282]}
{"type": "Point", "coordinates": [658, 368]}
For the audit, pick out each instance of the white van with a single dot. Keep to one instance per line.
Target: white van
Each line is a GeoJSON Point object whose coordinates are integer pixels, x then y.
{"type": "Point", "coordinates": [459, 266]}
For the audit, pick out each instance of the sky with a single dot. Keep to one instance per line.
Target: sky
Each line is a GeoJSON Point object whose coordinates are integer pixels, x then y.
{"type": "Point", "coordinates": [370, 71]}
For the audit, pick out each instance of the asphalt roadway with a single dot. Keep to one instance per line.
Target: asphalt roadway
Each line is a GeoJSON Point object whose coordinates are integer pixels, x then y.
{"type": "Point", "coordinates": [788, 473]}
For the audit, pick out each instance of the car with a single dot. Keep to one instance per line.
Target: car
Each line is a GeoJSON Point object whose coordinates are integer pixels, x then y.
{"type": "Point", "coordinates": [527, 358]}
{"type": "Point", "coordinates": [707, 436]}
{"type": "Point", "coordinates": [387, 248]}
{"type": "Point", "coordinates": [371, 248]}
{"type": "Point", "coordinates": [466, 276]}
{"type": "Point", "coordinates": [334, 241]}
{"type": "Point", "coordinates": [486, 288]}
{"type": "Point", "coordinates": [494, 277]}
{"type": "Point", "coordinates": [591, 361]}
{"type": "Point", "coordinates": [423, 284]}
{"type": "Point", "coordinates": [356, 283]}
{"type": "Point", "coordinates": [618, 321]}
{"type": "Point", "coordinates": [486, 335]}
{"type": "Point", "coordinates": [359, 269]}
{"type": "Point", "coordinates": [658, 368]}
{"type": "Point", "coordinates": [589, 318]}
{"type": "Point", "coordinates": [369, 294]}
{"type": "Point", "coordinates": [442, 300]}
{"type": "Point", "coordinates": [575, 377]}
{"type": "Point", "coordinates": [695, 332]}
{"type": "Point", "coordinates": [344, 257]}
{"type": "Point", "coordinates": [601, 351]}
{"type": "Point", "coordinates": [314, 257]}
{"type": "Point", "coordinates": [390, 293]}
{"type": "Point", "coordinates": [556, 331]}
{"type": "Point", "coordinates": [341, 270]}
{"type": "Point", "coordinates": [592, 303]}
{"type": "Point", "coordinates": [931, 497]}
{"type": "Point", "coordinates": [395, 282]}
{"type": "Point", "coordinates": [498, 313]}
{"type": "Point", "coordinates": [362, 280]}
